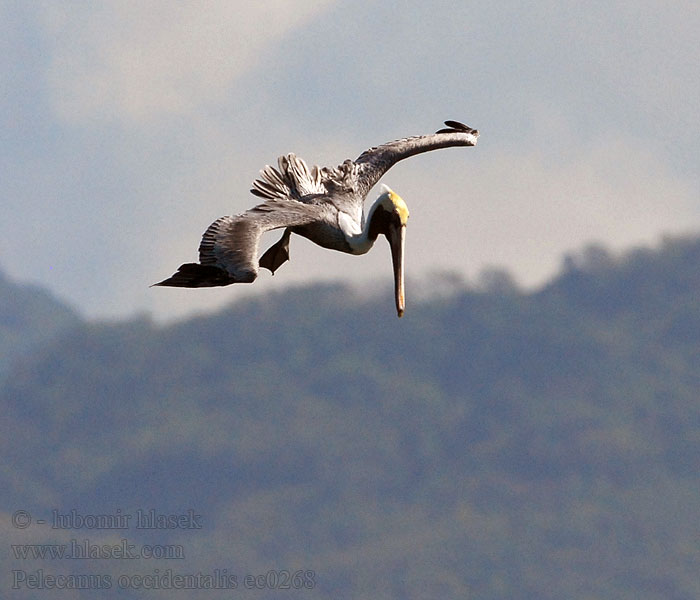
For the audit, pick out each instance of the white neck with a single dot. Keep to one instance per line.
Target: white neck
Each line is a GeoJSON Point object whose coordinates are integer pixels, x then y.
{"type": "Point", "coordinates": [358, 239]}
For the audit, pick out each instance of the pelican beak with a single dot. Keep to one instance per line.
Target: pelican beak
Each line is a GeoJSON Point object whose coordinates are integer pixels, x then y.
{"type": "Point", "coordinates": [397, 236]}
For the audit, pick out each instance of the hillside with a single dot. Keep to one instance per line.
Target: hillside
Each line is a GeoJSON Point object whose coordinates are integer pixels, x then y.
{"type": "Point", "coordinates": [29, 316]}
{"type": "Point", "coordinates": [493, 444]}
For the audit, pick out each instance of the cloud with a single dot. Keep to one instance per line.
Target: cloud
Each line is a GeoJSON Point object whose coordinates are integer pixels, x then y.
{"type": "Point", "coordinates": [134, 61]}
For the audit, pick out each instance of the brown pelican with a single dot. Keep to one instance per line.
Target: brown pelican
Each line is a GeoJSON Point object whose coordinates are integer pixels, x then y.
{"type": "Point", "coordinates": [325, 205]}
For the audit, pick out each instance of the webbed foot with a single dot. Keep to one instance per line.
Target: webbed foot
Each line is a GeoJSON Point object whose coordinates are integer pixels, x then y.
{"type": "Point", "coordinates": [277, 254]}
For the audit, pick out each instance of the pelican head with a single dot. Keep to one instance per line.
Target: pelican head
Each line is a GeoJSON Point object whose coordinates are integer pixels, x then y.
{"type": "Point", "coordinates": [390, 218]}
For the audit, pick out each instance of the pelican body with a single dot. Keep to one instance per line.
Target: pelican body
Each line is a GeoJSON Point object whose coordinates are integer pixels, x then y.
{"type": "Point", "coordinates": [324, 205]}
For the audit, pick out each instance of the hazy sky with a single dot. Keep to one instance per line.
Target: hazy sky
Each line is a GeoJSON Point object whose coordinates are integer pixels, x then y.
{"type": "Point", "coordinates": [127, 127]}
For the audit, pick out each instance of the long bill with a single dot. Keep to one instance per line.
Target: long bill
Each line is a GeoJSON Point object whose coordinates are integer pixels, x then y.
{"type": "Point", "coordinates": [397, 237]}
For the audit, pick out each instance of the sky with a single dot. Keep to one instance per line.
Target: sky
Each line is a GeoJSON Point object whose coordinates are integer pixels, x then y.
{"type": "Point", "coordinates": [128, 127]}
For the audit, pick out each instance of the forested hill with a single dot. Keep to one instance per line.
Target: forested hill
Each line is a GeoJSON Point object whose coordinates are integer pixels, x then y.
{"type": "Point", "coordinates": [29, 316]}
{"type": "Point", "coordinates": [491, 444]}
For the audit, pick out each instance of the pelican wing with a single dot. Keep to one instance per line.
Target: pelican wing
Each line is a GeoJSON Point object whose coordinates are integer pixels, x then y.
{"type": "Point", "coordinates": [228, 252]}
{"type": "Point", "coordinates": [293, 179]}
{"type": "Point", "coordinates": [231, 243]}
{"type": "Point", "coordinates": [373, 163]}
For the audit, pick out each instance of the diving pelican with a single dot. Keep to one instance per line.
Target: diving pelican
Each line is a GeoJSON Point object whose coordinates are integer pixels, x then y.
{"type": "Point", "coordinates": [324, 205]}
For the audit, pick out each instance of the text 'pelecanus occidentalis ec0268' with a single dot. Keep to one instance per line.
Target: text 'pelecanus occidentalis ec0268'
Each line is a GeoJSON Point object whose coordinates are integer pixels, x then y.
{"type": "Point", "coordinates": [324, 205]}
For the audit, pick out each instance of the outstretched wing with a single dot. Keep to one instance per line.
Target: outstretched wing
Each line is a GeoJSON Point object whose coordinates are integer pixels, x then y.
{"type": "Point", "coordinates": [349, 183]}
{"type": "Point", "coordinates": [228, 252]}
{"type": "Point", "coordinates": [373, 163]}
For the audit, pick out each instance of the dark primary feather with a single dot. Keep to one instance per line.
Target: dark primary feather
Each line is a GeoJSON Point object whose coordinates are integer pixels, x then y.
{"type": "Point", "coordinates": [194, 275]}
{"type": "Point", "coordinates": [457, 126]}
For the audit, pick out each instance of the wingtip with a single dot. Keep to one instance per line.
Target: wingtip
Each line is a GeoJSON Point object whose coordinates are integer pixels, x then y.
{"type": "Point", "coordinates": [457, 127]}
{"type": "Point", "coordinates": [194, 275]}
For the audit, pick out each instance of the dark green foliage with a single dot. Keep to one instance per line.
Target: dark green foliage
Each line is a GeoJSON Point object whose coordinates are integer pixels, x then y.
{"type": "Point", "coordinates": [492, 444]}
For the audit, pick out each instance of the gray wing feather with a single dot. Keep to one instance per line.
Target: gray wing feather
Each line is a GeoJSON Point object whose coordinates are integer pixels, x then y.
{"type": "Point", "coordinates": [293, 179]}
{"type": "Point", "coordinates": [373, 163]}
{"type": "Point", "coordinates": [231, 243]}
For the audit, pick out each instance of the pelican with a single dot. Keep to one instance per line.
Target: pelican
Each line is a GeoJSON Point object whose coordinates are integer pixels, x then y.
{"type": "Point", "coordinates": [324, 205]}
